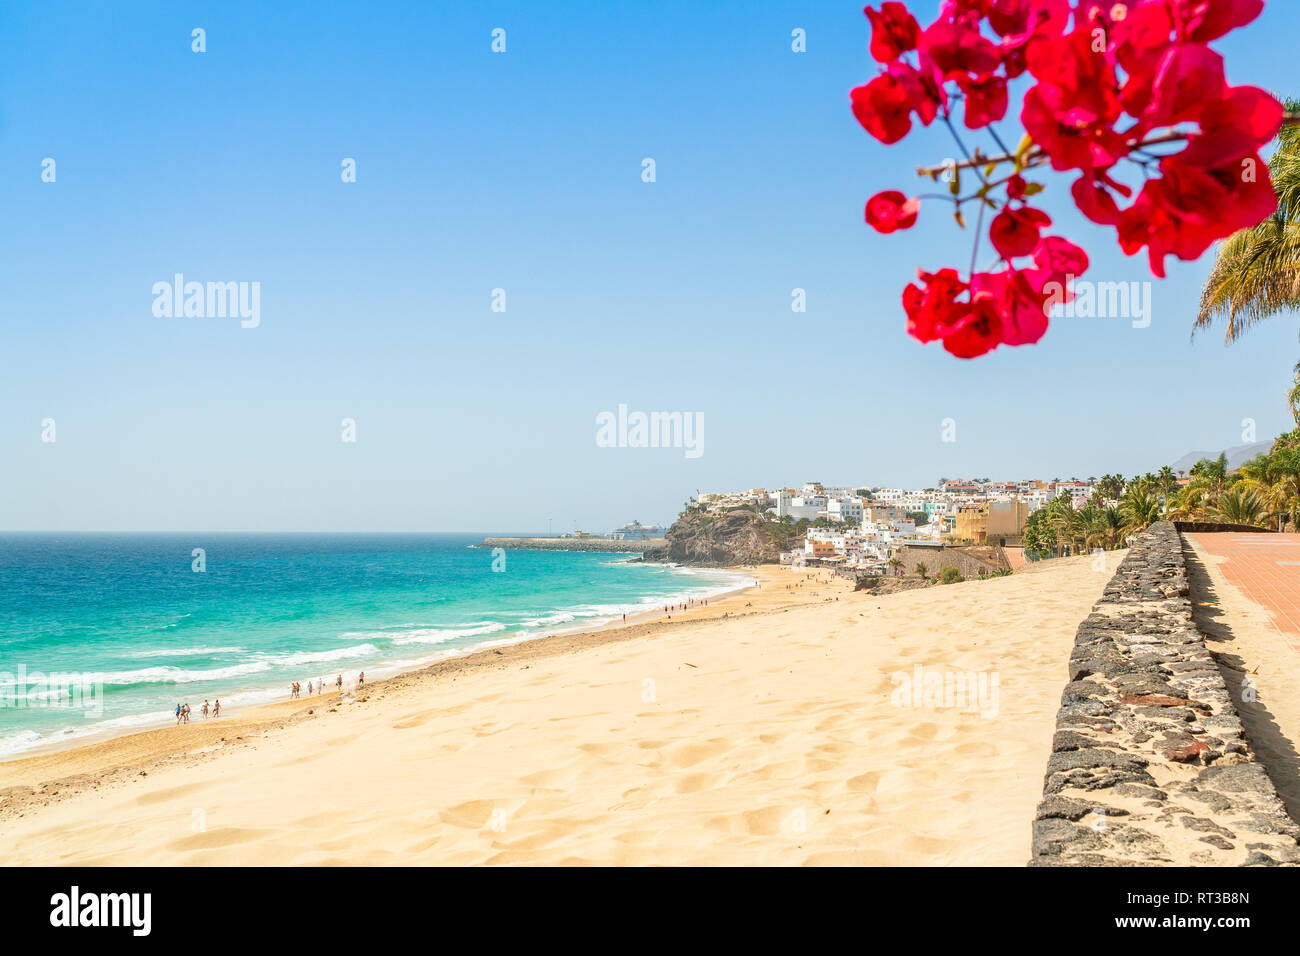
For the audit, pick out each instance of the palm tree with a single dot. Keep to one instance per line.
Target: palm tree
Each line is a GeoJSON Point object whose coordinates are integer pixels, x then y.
{"type": "Point", "coordinates": [1139, 509]}
{"type": "Point", "coordinates": [1106, 528]}
{"type": "Point", "coordinates": [1241, 506]}
{"type": "Point", "coordinates": [1275, 478]}
{"type": "Point", "coordinates": [1293, 396]}
{"type": "Point", "coordinates": [1188, 504]}
{"type": "Point", "coordinates": [1059, 518]}
{"type": "Point", "coordinates": [1211, 475]}
{"type": "Point", "coordinates": [921, 569]}
{"type": "Point", "coordinates": [1257, 273]}
{"type": "Point", "coordinates": [1166, 481]}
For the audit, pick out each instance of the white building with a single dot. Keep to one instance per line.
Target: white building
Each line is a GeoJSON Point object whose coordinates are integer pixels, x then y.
{"type": "Point", "coordinates": [847, 509]}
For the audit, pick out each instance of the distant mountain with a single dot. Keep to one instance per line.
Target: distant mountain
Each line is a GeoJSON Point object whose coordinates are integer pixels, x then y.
{"type": "Point", "coordinates": [1237, 455]}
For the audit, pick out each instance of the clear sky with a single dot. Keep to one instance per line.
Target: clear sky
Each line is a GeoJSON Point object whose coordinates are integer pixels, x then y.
{"type": "Point", "coordinates": [522, 171]}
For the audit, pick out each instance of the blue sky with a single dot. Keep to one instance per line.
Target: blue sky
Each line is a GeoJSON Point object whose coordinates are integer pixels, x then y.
{"type": "Point", "coordinates": [522, 171]}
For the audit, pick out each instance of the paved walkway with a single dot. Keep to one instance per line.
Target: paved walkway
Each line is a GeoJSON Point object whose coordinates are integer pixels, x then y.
{"type": "Point", "coordinates": [1265, 568]}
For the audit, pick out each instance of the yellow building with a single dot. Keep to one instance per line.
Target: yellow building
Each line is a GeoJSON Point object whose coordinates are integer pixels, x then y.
{"type": "Point", "coordinates": [1006, 521]}
{"type": "Point", "coordinates": [972, 523]}
{"type": "Point", "coordinates": [999, 523]}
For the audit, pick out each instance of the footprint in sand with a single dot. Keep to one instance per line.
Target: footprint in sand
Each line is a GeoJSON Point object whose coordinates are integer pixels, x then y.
{"type": "Point", "coordinates": [214, 839]}
{"type": "Point", "coordinates": [864, 782]}
{"type": "Point", "coordinates": [418, 720]}
{"type": "Point", "coordinates": [471, 815]}
{"type": "Point", "coordinates": [159, 796]}
{"type": "Point", "coordinates": [697, 782]}
{"type": "Point", "coordinates": [921, 734]}
{"type": "Point", "coordinates": [767, 821]}
{"type": "Point", "coordinates": [688, 755]}
{"type": "Point", "coordinates": [601, 750]}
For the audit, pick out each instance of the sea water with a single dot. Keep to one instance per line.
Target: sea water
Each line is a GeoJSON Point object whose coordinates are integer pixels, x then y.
{"type": "Point", "coordinates": [143, 622]}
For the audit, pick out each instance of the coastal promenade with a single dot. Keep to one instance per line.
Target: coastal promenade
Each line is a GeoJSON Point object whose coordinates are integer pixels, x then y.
{"type": "Point", "coordinates": [1266, 569]}
{"type": "Point", "coordinates": [604, 545]}
{"type": "Point", "coordinates": [1164, 751]}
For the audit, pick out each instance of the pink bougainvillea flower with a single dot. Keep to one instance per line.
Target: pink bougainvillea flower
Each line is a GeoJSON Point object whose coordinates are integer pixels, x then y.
{"type": "Point", "coordinates": [1206, 20]}
{"type": "Point", "coordinates": [933, 310]}
{"type": "Point", "coordinates": [1111, 79]}
{"type": "Point", "coordinates": [894, 31]}
{"type": "Point", "coordinates": [1192, 204]}
{"type": "Point", "coordinates": [1072, 137]}
{"type": "Point", "coordinates": [1242, 121]}
{"type": "Point", "coordinates": [1015, 232]}
{"type": "Point", "coordinates": [1095, 201]}
{"type": "Point", "coordinates": [890, 210]}
{"type": "Point", "coordinates": [983, 333]}
{"type": "Point", "coordinates": [986, 99]}
{"type": "Point", "coordinates": [1187, 78]}
{"type": "Point", "coordinates": [884, 106]}
{"type": "Point", "coordinates": [1056, 260]}
{"type": "Point", "coordinates": [955, 46]}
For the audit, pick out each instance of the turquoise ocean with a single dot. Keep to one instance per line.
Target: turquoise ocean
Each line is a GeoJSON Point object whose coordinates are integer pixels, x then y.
{"type": "Point", "coordinates": [109, 632]}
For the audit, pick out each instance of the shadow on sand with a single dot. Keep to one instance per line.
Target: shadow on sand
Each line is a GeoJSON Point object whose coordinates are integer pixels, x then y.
{"type": "Point", "coordinates": [1274, 751]}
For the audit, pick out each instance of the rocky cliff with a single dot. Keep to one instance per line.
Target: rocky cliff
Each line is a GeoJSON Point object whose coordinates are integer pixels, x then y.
{"type": "Point", "coordinates": [717, 540]}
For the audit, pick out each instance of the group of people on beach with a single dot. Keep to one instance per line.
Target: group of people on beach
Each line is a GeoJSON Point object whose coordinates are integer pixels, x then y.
{"type": "Point", "coordinates": [295, 689]}
{"type": "Point", "coordinates": [183, 711]}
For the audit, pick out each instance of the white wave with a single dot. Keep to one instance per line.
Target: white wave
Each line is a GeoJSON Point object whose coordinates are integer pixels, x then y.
{"type": "Point", "coordinates": [430, 635]}
{"type": "Point", "coordinates": [322, 657]}
{"type": "Point", "coordinates": [16, 743]}
{"type": "Point", "coordinates": [437, 635]}
{"type": "Point", "coordinates": [174, 675]}
{"type": "Point", "coordinates": [185, 651]}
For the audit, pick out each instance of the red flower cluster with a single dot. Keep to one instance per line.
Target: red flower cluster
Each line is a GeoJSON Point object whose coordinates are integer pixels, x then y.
{"type": "Point", "coordinates": [994, 308]}
{"type": "Point", "coordinates": [1113, 80]}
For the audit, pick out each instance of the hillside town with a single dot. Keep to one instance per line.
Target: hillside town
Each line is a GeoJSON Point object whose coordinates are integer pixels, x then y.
{"type": "Point", "coordinates": [876, 530]}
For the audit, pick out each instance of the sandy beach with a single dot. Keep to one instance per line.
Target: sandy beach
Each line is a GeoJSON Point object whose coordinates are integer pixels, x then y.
{"type": "Point", "coordinates": [784, 733]}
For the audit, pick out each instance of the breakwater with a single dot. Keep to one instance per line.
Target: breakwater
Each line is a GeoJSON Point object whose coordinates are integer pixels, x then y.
{"type": "Point", "coordinates": [1150, 764]}
{"type": "Point", "coordinates": [605, 545]}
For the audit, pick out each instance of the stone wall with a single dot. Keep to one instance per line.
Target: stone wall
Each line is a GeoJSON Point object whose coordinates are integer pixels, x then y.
{"type": "Point", "coordinates": [572, 544]}
{"type": "Point", "coordinates": [969, 561]}
{"type": "Point", "coordinates": [1150, 763]}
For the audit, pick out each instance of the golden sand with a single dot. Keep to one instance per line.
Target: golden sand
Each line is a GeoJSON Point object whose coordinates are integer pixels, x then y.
{"type": "Point", "coordinates": [777, 735]}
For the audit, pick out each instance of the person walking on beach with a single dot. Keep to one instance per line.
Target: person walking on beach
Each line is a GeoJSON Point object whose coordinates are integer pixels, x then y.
{"type": "Point", "coordinates": [216, 709]}
{"type": "Point", "coordinates": [308, 688]}
{"type": "Point", "coordinates": [178, 715]}
{"type": "Point", "coordinates": [339, 683]}
{"type": "Point", "coordinates": [361, 679]}
{"type": "Point", "coordinates": [205, 710]}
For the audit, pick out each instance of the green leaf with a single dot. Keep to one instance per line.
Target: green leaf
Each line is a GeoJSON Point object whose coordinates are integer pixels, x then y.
{"type": "Point", "coordinates": [1025, 145]}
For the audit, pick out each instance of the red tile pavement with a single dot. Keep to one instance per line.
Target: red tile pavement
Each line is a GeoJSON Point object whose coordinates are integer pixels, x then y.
{"type": "Point", "coordinates": [1265, 568]}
